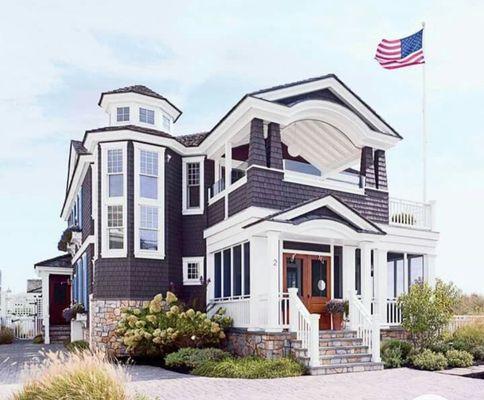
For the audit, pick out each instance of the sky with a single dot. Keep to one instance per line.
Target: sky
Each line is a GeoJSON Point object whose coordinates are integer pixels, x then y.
{"type": "Point", "coordinates": [56, 57]}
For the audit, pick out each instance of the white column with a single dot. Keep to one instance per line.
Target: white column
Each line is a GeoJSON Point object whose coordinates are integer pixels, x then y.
{"type": "Point", "coordinates": [258, 283]}
{"type": "Point", "coordinates": [273, 266]}
{"type": "Point", "coordinates": [348, 269]}
{"type": "Point", "coordinates": [228, 174]}
{"type": "Point", "coordinates": [210, 276]}
{"type": "Point", "coordinates": [429, 268]}
{"type": "Point", "coordinates": [380, 276]}
{"type": "Point", "coordinates": [405, 273]}
{"type": "Point", "coordinates": [45, 306]}
{"type": "Point", "coordinates": [366, 294]}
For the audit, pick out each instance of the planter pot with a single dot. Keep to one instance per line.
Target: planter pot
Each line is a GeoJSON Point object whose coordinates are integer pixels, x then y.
{"type": "Point", "coordinates": [81, 317]}
{"type": "Point", "coordinates": [337, 321]}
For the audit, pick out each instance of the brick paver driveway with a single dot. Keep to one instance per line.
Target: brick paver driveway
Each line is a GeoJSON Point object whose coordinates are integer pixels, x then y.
{"type": "Point", "coordinates": [157, 383]}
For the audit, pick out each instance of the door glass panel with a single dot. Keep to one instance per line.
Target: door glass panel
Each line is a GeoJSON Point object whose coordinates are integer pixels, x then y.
{"type": "Point", "coordinates": [294, 278]}
{"type": "Point", "coordinates": [319, 273]}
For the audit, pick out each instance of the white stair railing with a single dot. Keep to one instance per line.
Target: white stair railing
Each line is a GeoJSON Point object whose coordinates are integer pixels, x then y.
{"type": "Point", "coordinates": [305, 326]}
{"type": "Point", "coordinates": [367, 326]}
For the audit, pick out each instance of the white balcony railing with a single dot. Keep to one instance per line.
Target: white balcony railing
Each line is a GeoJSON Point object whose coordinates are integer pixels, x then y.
{"type": "Point", "coordinates": [411, 214]}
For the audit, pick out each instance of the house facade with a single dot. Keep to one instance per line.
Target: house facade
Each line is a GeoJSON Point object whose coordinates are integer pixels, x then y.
{"type": "Point", "coordinates": [282, 206]}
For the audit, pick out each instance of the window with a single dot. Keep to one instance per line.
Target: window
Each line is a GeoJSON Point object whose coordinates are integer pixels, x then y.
{"type": "Point", "coordinates": [193, 185]}
{"type": "Point", "coordinates": [232, 271]}
{"type": "Point", "coordinates": [338, 272]}
{"type": "Point", "coordinates": [147, 116]}
{"type": "Point", "coordinates": [149, 201]}
{"type": "Point", "coordinates": [166, 123]}
{"type": "Point", "coordinates": [415, 269]}
{"type": "Point", "coordinates": [148, 231]}
{"type": "Point", "coordinates": [192, 270]}
{"type": "Point", "coordinates": [148, 174]}
{"type": "Point", "coordinates": [75, 218]}
{"type": "Point", "coordinates": [115, 227]}
{"type": "Point", "coordinates": [358, 271]}
{"type": "Point", "coordinates": [115, 172]}
{"type": "Point", "coordinates": [395, 275]}
{"type": "Point", "coordinates": [122, 114]}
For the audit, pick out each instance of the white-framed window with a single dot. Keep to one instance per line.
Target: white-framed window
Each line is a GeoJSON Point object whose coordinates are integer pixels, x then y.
{"type": "Point", "coordinates": [193, 185]}
{"type": "Point", "coordinates": [192, 270]}
{"type": "Point", "coordinates": [166, 123]}
{"type": "Point", "coordinates": [122, 114]}
{"type": "Point", "coordinates": [147, 116]}
{"type": "Point", "coordinates": [114, 211]}
{"type": "Point", "coordinates": [149, 201]}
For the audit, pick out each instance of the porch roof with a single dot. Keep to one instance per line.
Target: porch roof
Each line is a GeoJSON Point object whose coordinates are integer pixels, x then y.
{"type": "Point", "coordinates": [62, 261]}
{"type": "Point", "coordinates": [326, 207]}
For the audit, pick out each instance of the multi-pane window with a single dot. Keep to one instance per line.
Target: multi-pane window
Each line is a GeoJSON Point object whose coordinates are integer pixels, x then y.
{"type": "Point", "coordinates": [115, 172]}
{"type": "Point", "coordinates": [192, 270]}
{"type": "Point", "coordinates": [232, 271]}
{"type": "Point", "coordinates": [147, 116]}
{"type": "Point", "coordinates": [122, 114]}
{"type": "Point", "coordinates": [148, 174]}
{"type": "Point", "coordinates": [148, 228]}
{"type": "Point", "coordinates": [166, 123]}
{"type": "Point", "coordinates": [115, 227]}
{"type": "Point", "coordinates": [193, 185]}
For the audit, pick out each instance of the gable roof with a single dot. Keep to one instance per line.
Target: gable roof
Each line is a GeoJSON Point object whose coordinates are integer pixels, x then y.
{"type": "Point", "coordinates": [191, 140]}
{"type": "Point", "coordinates": [78, 147]}
{"type": "Point", "coordinates": [63, 261]}
{"type": "Point", "coordinates": [328, 207]}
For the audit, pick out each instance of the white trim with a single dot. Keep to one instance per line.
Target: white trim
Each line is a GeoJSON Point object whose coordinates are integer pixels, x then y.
{"type": "Point", "coordinates": [192, 260]}
{"type": "Point", "coordinates": [53, 270]}
{"type": "Point", "coordinates": [316, 181]}
{"type": "Point", "coordinates": [159, 203]}
{"type": "Point", "coordinates": [89, 240]}
{"type": "Point", "coordinates": [198, 210]}
{"type": "Point", "coordinates": [107, 201]}
{"type": "Point", "coordinates": [242, 181]}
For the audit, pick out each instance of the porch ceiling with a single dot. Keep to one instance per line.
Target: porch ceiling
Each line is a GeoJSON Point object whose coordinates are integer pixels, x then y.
{"type": "Point", "coordinates": [321, 144]}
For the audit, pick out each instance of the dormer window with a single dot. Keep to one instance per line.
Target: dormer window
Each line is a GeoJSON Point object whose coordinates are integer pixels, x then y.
{"type": "Point", "coordinates": [147, 116]}
{"type": "Point", "coordinates": [122, 114]}
{"type": "Point", "coordinates": [166, 123]}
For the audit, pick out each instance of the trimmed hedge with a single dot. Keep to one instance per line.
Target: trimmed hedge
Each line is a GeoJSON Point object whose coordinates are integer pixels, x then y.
{"type": "Point", "coordinates": [429, 361]}
{"type": "Point", "coordinates": [188, 358]}
{"type": "Point", "coordinates": [459, 358]}
{"type": "Point", "coordinates": [250, 368]}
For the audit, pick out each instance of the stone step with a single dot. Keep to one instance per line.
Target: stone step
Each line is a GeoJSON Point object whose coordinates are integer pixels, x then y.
{"type": "Point", "coordinates": [334, 350]}
{"type": "Point", "coordinates": [345, 368]}
{"type": "Point", "coordinates": [337, 334]}
{"type": "Point", "coordinates": [345, 359]}
{"type": "Point", "coordinates": [344, 341]}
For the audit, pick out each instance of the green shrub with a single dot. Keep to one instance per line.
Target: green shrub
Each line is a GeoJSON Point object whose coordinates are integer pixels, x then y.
{"type": "Point", "coordinates": [395, 353]}
{"type": "Point", "coordinates": [222, 320]}
{"type": "Point", "coordinates": [77, 345]}
{"type": "Point", "coordinates": [39, 339]}
{"type": "Point", "coordinates": [459, 358]}
{"type": "Point", "coordinates": [74, 376]}
{"type": "Point", "coordinates": [250, 368]}
{"type": "Point", "coordinates": [426, 311]}
{"type": "Point", "coordinates": [163, 326]}
{"type": "Point", "coordinates": [6, 335]}
{"type": "Point", "coordinates": [429, 361]}
{"type": "Point", "coordinates": [188, 358]}
{"type": "Point", "coordinates": [469, 338]}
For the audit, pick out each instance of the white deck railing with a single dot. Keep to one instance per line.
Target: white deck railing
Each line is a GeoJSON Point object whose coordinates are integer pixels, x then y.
{"type": "Point", "coordinates": [238, 307]}
{"type": "Point", "coordinates": [394, 314]}
{"type": "Point", "coordinates": [410, 213]}
{"type": "Point", "coordinates": [367, 326]}
{"type": "Point", "coordinates": [305, 326]}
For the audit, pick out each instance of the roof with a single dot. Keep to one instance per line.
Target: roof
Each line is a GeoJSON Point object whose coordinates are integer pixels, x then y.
{"type": "Point", "coordinates": [79, 147]}
{"type": "Point", "coordinates": [192, 140]}
{"type": "Point", "coordinates": [63, 261]}
{"type": "Point", "coordinates": [139, 89]}
{"type": "Point", "coordinates": [132, 128]}
{"type": "Point", "coordinates": [34, 285]}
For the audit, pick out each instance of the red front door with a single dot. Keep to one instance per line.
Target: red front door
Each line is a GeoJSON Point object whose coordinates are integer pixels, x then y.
{"type": "Point", "coordinates": [311, 275]}
{"type": "Point", "coordinates": [59, 298]}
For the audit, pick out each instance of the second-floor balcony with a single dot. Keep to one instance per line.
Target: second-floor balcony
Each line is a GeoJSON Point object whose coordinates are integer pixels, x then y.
{"type": "Point", "coordinates": [411, 214]}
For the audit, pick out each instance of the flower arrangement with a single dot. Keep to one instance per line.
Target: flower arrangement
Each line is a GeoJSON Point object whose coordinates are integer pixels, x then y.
{"type": "Point", "coordinates": [72, 311]}
{"type": "Point", "coordinates": [337, 308]}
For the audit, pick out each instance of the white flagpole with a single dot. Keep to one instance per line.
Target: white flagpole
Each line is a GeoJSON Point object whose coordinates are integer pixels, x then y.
{"type": "Point", "coordinates": [424, 127]}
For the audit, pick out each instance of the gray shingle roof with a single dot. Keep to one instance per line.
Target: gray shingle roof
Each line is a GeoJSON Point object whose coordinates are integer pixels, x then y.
{"type": "Point", "coordinates": [192, 140]}
{"type": "Point", "coordinates": [63, 261]}
{"type": "Point", "coordinates": [79, 147]}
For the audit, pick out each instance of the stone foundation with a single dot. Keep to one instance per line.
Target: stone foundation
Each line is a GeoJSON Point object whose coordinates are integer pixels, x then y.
{"type": "Point", "coordinates": [263, 344]}
{"type": "Point", "coordinates": [396, 332]}
{"type": "Point", "coordinates": [105, 315]}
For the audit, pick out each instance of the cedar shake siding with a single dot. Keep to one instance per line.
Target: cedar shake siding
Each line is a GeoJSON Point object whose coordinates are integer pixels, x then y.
{"type": "Point", "coordinates": [87, 221]}
{"type": "Point", "coordinates": [216, 212]}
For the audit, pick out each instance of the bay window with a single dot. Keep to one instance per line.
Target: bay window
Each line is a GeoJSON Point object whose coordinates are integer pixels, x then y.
{"type": "Point", "coordinates": [122, 114]}
{"type": "Point", "coordinates": [149, 200]}
{"type": "Point", "coordinates": [113, 181]}
{"type": "Point", "coordinates": [193, 185]}
{"type": "Point", "coordinates": [147, 116]}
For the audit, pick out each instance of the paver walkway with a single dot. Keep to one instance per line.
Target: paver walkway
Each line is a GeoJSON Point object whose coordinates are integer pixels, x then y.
{"type": "Point", "coordinates": [157, 383]}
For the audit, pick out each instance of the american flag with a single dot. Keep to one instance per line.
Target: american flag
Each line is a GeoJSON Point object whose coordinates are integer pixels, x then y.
{"type": "Point", "coordinates": [392, 54]}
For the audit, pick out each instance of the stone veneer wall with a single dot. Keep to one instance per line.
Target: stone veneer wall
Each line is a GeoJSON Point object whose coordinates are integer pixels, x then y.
{"type": "Point", "coordinates": [105, 315]}
{"type": "Point", "coordinates": [264, 344]}
{"type": "Point", "coordinates": [394, 333]}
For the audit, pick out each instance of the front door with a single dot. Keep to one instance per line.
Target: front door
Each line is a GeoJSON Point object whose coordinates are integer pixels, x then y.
{"type": "Point", "coordinates": [311, 276]}
{"type": "Point", "coordinates": [59, 298]}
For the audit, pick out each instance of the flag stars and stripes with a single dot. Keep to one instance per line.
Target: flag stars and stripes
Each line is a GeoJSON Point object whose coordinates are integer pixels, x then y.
{"type": "Point", "coordinates": [392, 54]}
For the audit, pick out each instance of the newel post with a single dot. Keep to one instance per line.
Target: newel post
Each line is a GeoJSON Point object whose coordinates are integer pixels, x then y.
{"type": "Point", "coordinates": [314, 340]}
{"type": "Point", "coordinates": [351, 309]}
{"type": "Point", "coordinates": [292, 309]}
{"type": "Point", "coordinates": [375, 338]}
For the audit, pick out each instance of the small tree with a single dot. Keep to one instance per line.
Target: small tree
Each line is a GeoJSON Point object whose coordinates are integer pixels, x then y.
{"type": "Point", "coordinates": [427, 310]}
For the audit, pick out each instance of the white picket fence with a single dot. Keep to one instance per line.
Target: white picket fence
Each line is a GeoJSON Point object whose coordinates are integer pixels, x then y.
{"type": "Point", "coordinates": [23, 327]}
